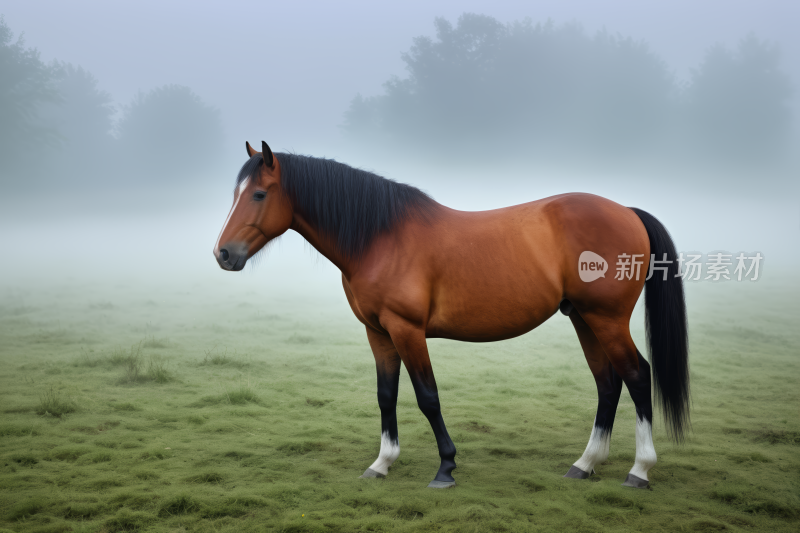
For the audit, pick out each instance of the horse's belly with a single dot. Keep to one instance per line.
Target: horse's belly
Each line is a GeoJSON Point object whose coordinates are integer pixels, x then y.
{"type": "Point", "coordinates": [486, 318]}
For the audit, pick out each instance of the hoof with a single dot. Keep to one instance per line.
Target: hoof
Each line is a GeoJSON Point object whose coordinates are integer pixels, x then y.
{"type": "Point", "coordinates": [636, 482]}
{"type": "Point", "coordinates": [370, 473]}
{"type": "Point", "coordinates": [441, 484]}
{"type": "Point", "coordinates": [576, 473]}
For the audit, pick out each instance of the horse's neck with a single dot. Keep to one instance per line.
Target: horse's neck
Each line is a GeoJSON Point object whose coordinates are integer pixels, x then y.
{"type": "Point", "coordinates": [323, 245]}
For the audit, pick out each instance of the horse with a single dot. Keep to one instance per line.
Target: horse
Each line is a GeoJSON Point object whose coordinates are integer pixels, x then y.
{"type": "Point", "coordinates": [413, 269]}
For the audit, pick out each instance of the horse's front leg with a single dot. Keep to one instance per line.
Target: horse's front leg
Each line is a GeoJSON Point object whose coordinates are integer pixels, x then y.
{"type": "Point", "coordinates": [413, 350]}
{"type": "Point", "coordinates": [387, 363]}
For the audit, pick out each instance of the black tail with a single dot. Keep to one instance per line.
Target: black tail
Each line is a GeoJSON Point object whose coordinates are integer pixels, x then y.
{"type": "Point", "coordinates": [667, 330]}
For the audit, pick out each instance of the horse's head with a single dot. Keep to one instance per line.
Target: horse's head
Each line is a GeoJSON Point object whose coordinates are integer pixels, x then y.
{"type": "Point", "coordinates": [261, 211]}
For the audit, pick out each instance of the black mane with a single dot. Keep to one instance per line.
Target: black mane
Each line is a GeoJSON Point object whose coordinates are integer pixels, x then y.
{"type": "Point", "coordinates": [348, 205]}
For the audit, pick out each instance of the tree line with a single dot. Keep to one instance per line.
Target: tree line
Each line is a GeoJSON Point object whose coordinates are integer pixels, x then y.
{"type": "Point", "coordinates": [55, 122]}
{"type": "Point", "coordinates": [554, 92]}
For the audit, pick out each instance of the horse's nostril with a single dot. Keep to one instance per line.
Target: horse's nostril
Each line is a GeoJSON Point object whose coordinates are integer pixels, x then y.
{"type": "Point", "coordinates": [224, 254]}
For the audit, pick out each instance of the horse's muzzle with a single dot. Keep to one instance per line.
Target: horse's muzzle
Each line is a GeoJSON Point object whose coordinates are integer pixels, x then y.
{"type": "Point", "coordinates": [232, 256]}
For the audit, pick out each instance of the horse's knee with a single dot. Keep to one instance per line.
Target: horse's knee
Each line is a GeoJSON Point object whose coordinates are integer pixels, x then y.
{"type": "Point", "coordinates": [387, 401]}
{"type": "Point", "coordinates": [428, 402]}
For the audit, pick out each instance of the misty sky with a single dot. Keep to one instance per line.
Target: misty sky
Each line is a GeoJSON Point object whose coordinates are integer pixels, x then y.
{"type": "Point", "coordinates": [286, 71]}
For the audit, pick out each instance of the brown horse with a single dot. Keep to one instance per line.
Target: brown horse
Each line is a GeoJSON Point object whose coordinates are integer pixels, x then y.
{"type": "Point", "coordinates": [414, 269]}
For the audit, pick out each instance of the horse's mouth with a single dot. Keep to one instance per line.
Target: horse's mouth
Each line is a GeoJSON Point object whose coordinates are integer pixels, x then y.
{"type": "Point", "coordinates": [232, 257]}
{"type": "Point", "coordinates": [236, 267]}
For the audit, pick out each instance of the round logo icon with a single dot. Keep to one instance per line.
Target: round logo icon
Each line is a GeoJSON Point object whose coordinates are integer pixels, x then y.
{"type": "Point", "coordinates": [591, 266]}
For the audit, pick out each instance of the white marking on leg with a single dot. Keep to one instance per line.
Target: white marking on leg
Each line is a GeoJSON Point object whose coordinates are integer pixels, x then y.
{"type": "Point", "coordinates": [596, 451]}
{"type": "Point", "coordinates": [390, 451]}
{"type": "Point", "coordinates": [240, 190]}
{"type": "Point", "coordinates": [645, 452]}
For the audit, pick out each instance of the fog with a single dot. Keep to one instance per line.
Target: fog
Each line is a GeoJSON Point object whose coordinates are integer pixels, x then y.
{"type": "Point", "coordinates": [123, 127]}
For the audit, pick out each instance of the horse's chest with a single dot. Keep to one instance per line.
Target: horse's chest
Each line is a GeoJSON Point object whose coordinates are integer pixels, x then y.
{"type": "Point", "coordinates": [361, 306]}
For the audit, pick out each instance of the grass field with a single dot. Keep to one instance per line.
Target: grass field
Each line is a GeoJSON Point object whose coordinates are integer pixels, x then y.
{"type": "Point", "coordinates": [197, 407]}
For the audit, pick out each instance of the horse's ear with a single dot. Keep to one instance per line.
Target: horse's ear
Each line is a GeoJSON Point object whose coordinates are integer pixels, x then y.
{"type": "Point", "coordinates": [266, 153]}
{"type": "Point", "coordinates": [250, 151]}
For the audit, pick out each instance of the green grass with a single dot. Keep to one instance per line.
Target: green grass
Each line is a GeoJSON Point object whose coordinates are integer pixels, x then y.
{"type": "Point", "coordinates": [259, 414]}
{"type": "Point", "coordinates": [53, 403]}
{"type": "Point", "coordinates": [213, 357]}
{"type": "Point", "coordinates": [136, 367]}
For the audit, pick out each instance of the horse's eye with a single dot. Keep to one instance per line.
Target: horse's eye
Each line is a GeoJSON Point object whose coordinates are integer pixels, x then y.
{"type": "Point", "coordinates": [260, 195]}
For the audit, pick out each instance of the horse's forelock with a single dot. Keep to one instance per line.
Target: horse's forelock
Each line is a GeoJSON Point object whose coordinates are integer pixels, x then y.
{"type": "Point", "coordinates": [250, 168]}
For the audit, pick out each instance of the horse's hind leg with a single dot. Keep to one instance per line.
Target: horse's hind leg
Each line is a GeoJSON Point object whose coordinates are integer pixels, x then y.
{"type": "Point", "coordinates": [609, 387]}
{"type": "Point", "coordinates": [387, 363]}
{"type": "Point", "coordinates": [615, 338]}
